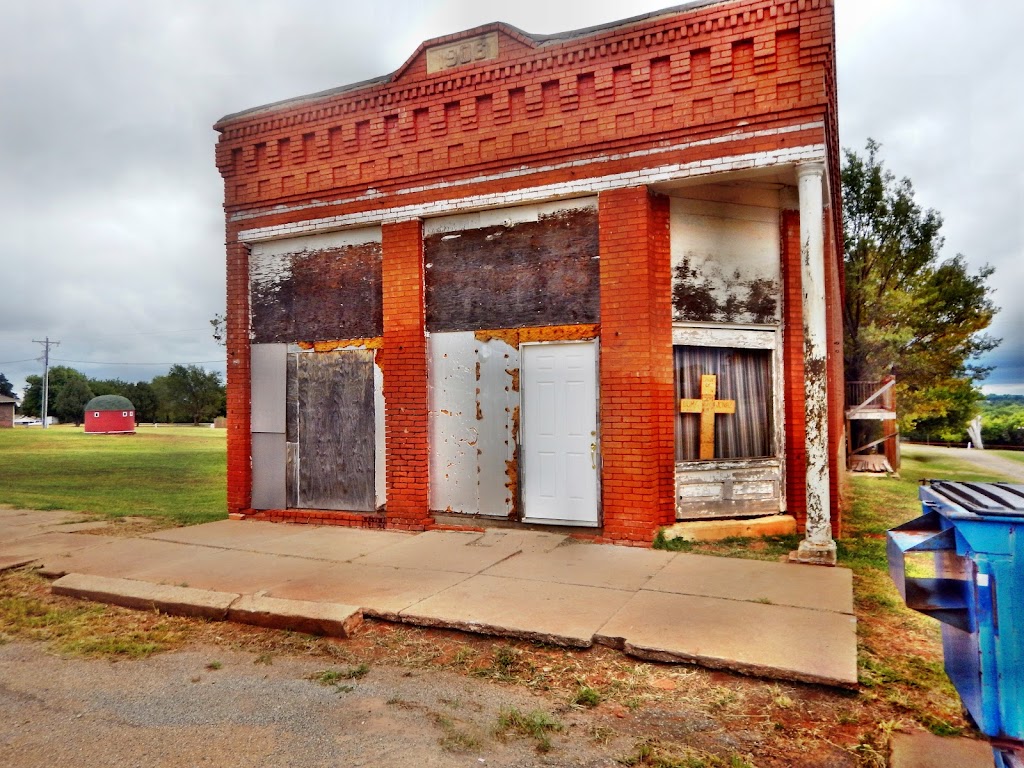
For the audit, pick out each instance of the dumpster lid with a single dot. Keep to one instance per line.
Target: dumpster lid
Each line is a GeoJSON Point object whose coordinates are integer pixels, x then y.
{"type": "Point", "coordinates": [987, 499]}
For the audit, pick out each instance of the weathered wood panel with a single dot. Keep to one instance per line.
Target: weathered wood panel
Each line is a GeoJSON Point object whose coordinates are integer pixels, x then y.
{"type": "Point", "coordinates": [336, 430]}
{"type": "Point", "coordinates": [528, 273]}
{"type": "Point", "coordinates": [706, 490]}
{"type": "Point", "coordinates": [725, 262]}
{"type": "Point", "coordinates": [313, 295]}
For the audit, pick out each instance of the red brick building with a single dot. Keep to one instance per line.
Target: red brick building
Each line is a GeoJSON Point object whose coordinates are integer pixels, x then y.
{"type": "Point", "coordinates": [589, 279]}
{"type": "Point", "coordinates": [7, 405]}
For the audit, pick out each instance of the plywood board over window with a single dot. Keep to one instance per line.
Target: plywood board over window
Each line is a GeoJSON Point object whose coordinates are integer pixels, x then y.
{"type": "Point", "coordinates": [315, 288]}
{"type": "Point", "coordinates": [529, 266]}
{"type": "Point", "coordinates": [725, 262]}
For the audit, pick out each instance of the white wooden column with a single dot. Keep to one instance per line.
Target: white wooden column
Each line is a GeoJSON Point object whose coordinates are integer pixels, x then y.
{"type": "Point", "coordinates": [818, 546]}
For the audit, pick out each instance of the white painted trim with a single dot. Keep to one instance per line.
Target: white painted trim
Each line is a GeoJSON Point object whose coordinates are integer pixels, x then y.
{"type": "Point", "coordinates": [504, 217]}
{"type": "Point", "coordinates": [740, 337]}
{"type": "Point", "coordinates": [318, 242]}
{"type": "Point", "coordinates": [568, 189]}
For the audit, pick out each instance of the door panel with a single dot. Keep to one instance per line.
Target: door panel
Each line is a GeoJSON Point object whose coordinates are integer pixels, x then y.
{"type": "Point", "coordinates": [560, 433]}
{"type": "Point", "coordinates": [336, 431]}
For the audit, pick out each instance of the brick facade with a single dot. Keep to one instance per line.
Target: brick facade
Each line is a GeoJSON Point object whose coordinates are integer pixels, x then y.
{"type": "Point", "coordinates": [629, 112]}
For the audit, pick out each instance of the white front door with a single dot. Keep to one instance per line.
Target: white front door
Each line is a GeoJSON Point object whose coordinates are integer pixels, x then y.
{"type": "Point", "coordinates": [559, 433]}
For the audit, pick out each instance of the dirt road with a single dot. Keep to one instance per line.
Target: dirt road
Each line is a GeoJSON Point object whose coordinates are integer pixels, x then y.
{"type": "Point", "coordinates": [986, 461]}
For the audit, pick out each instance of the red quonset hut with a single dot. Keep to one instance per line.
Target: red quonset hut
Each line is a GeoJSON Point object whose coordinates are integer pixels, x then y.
{"type": "Point", "coordinates": [110, 415]}
{"type": "Point", "coordinates": [422, 267]}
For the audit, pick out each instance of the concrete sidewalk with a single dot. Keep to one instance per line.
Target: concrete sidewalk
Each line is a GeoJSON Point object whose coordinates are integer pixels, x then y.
{"type": "Point", "coordinates": [785, 621]}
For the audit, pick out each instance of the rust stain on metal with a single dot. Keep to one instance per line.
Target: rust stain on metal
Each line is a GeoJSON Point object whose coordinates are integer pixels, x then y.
{"type": "Point", "coordinates": [576, 332]}
{"type": "Point", "coordinates": [512, 469]}
{"type": "Point", "coordinates": [375, 342]}
{"type": "Point", "coordinates": [478, 372]}
{"type": "Point", "coordinates": [508, 335]}
{"type": "Point", "coordinates": [516, 336]}
{"type": "Point", "coordinates": [514, 373]}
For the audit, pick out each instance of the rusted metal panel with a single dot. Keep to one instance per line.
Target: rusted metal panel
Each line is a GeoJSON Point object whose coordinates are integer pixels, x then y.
{"type": "Point", "coordinates": [725, 262]}
{"type": "Point", "coordinates": [268, 470]}
{"type": "Point", "coordinates": [474, 408]}
{"type": "Point", "coordinates": [452, 420]}
{"type": "Point", "coordinates": [707, 490]}
{"type": "Point", "coordinates": [514, 274]}
{"type": "Point", "coordinates": [317, 288]}
{"type": "Point", "coordinates": [379, 445]}
{"type": "Point", "coordinates": [497, 409]}
{"type": "Point", "coordinates": [268, 388]}
{"type": "Point", "coordinates": [336, 430]}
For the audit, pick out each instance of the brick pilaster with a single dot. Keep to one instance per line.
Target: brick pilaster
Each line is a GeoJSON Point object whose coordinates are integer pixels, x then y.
{"type": "Point", "coordinates": [637, 392]}
{"type": "Point", "coordinates": [793, 357]}
{"type": "Point", "coordinates": [405, 377]}
{"type": "Point", "coordinates": [238, 376]}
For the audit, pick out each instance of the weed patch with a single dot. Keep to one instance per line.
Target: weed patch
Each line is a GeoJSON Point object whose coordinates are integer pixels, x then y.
{"type": "Point", "coordinates": [537, 725]}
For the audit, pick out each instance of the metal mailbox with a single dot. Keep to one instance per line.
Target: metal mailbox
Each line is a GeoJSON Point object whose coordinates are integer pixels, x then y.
{"type": "Point", "coordinates": [975, 535]}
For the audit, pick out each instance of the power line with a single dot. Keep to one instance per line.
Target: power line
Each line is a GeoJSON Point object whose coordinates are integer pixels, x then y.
{"type": "Point", "coordinates": [12, 362]}
{"type": "Point", "coordinates": [99, 362]}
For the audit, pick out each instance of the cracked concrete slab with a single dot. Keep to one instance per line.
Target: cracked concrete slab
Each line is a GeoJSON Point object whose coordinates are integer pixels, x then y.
{"type": "Point", "coordinates": [181, 601]}
{"type": "Point", "coordinates": [924, 750]}
{"type": "Point", "coordinates": [314, 618]}
{"type": "Point", "coordinates": [229, 570]}
{"type": "Point", "coordinates": [591, 565]}
{"type": "Point", "coordinates": [826, 589]}
{"type": "Point", "coordinates": [444, 551]}
{"type": "Point", "coordinates": [380, 591]}
{"type": "Point", "coordinates": [754, 638]}
{"type": "Point", "coordinates": [50, 544]}
{"type": "Point", "coordinates": [116, 557]}
{"type": "Point", "coordinates": [560, 614]}
{"type": "Point", "coordinates": [334, 544]}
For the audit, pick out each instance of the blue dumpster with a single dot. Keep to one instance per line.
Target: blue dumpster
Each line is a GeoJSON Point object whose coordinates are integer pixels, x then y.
{"type": "Point", "coordinates": [976, 533]}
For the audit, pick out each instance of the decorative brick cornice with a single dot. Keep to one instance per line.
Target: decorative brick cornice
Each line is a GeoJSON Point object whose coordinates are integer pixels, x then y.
{"type": "Point", "coordinates": [552, 55]}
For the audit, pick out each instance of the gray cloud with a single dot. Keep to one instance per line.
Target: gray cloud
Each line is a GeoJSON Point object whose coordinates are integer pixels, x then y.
{"type": "Point", "coordinates": [111, 205]}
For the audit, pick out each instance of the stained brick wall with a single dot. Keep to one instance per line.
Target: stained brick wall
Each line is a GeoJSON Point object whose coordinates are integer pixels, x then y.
{"type": "Point", "coordinates": [793, 363]}
{"type": "Point", "coordinates": [637, 393]}
{"type": "Point", "coordinates": [239, 371]}
{"type": "Point", "coordinates": [405, 377]}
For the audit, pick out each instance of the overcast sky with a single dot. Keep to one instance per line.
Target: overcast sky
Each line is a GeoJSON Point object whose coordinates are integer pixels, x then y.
{"type": "Point", "coordinates": [110, 203]}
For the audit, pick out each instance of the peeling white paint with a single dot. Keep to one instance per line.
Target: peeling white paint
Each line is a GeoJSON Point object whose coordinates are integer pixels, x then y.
{"type": "Point", "coordinates": [583, 186]}
{"type": "Point", "coordinates": [503, 217]}
{"type": "Point", "coordinates": [715, 489]}
{"type": "Point", "coordinates": [470, 423]}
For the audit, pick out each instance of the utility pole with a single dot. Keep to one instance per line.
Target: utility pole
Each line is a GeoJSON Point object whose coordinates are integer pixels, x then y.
{"type": "Point", "coordinates": [46, 374]}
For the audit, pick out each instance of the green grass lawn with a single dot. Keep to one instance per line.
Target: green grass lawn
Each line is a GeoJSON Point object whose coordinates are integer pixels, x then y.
{"type": "Point", "coordinates": [1012, 455]}
{"type": "Point", "coordinates": [174, 473]}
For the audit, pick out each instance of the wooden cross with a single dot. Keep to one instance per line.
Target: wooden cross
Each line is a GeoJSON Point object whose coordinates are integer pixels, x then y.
{"type": "Point", "coordinates": [707, 407]}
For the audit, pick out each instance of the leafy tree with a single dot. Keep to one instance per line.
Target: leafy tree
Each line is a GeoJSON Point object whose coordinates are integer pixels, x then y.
{"type": "Point", "coordinates": [71, 401]}
{"type": "Point", "coordinates": [192, 391]}
{"type": "Point", "coordinates": [6, 388]}
{"type": "Point", "coordinates": [907, 312]}
{"type": "Point", "coordinates": [60, 375]}
{"type": "Point", "coordinates": [145, 400]}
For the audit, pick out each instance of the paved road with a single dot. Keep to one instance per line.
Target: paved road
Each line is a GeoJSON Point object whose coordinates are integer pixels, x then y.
{"type": "Point", "coordinates": [1002, 468]}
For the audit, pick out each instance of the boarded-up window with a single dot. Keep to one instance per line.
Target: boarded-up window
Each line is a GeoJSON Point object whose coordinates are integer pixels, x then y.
{"type": "Point", "coordinates": [316, 294]}
{"type": "Point", "coordinates": [742, 376]}
{"type": "Point", "coordinates": [529, 273]}
{"type": "Point", "coordinates": [330, 431]}
{"type": "Point", "coordinates": [725, 262]}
